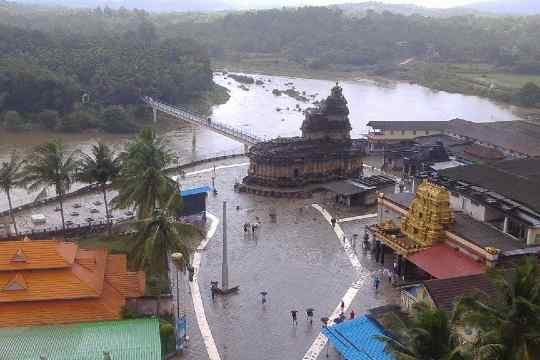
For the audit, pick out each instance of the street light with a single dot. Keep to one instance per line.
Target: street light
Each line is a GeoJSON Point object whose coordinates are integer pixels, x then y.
{"type": "Point", "coordinates": [178, 261]}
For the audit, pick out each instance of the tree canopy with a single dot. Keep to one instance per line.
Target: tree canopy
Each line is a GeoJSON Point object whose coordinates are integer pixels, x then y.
{"type": "Point", "coordinates": [89, 60]}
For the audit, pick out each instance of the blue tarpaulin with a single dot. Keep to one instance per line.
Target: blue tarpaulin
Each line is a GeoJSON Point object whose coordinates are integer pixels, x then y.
{"type": "Point", "coordinates": [195, 191]}
{"type": "Point", "coordinates": [356, 339]}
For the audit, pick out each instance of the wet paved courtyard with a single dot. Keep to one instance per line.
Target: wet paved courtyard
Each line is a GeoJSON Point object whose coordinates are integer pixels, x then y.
{"type": "Point", "coordinates": [298, 260]}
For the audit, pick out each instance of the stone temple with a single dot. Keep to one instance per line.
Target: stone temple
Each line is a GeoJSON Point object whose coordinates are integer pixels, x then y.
{"type": "Point", "coordinates": [325, 152]}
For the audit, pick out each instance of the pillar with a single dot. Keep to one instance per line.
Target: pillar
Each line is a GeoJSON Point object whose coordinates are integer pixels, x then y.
{"type": "Point", "coordinates": [505, 224]}
{"type": "Point", "coordinates": [531, 236]}
{"type": "Point", "coordinates": [154, 112]}
{"type": "Point", "coordinates": [246, 148]}
{"type": "Point", "coordinates": [194, 139]}
{"type": "Point", "coordinates": [383, 249]}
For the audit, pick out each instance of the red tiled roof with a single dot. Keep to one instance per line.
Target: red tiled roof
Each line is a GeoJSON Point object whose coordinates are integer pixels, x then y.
{"type": "Point", "coordinates": [36, 254]}
{"type": "Point", "coordinates": [443, 262]}
{"type": "Point", "coordinates": [51, 282]}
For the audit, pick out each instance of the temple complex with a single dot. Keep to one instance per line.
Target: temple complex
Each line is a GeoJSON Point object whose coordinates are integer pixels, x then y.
{"type": "Point", "coordinates": [49, 282]}
{"type": "Point", "coordinates": [325, 151]}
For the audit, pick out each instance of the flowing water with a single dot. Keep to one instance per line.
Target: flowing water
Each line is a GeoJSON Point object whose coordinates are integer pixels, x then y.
{"type": "Point", "coordinates": [258, 110]}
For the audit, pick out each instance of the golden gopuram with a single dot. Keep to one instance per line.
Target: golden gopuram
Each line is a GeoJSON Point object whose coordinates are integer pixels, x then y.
{"type": "Point", "coordinates": [424, 225]}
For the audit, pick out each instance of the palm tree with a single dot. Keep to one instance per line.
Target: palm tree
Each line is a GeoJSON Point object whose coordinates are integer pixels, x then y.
{"type": "Point", "coordinates": [156, 239]}
{"type": "Point", "coordinates": [101, 167]}
{"type": "Point", "coordinates": [11, 177]}
{"type": "Point", "coordinates": [51, 165]}
{"type": "Point", "coordinates": [142, 182]}
{"type": "Point", "coordinates": [508, 324]}
{"type": "Point", "coordinates": [427, 335]}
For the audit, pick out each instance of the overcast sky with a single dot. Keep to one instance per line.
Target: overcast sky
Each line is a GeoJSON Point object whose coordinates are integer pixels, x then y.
{"type": "Point", "coordinates": [427, 3]}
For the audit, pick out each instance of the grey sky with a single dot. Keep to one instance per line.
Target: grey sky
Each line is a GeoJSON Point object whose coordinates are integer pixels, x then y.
{"type": "Point", "coordinates": [427, 3]}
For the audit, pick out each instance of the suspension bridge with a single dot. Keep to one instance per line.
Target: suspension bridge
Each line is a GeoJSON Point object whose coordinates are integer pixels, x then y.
{"type": "Point", "coordinates": [244, 137]}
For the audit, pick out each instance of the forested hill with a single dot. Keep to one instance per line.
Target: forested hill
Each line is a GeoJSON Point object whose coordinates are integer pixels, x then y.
{"type": "Point", "coordinates": [113, 58]}
{"type": "Point", "coordinates": [319, 36]}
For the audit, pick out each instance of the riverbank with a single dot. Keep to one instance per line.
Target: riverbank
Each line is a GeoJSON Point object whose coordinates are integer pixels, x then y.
{"type": "Point", "coordinates": [474, 80]}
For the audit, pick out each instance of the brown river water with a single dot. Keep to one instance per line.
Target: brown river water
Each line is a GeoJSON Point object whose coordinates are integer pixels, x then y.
{"type": "Point", "coordinates": [255, 110]}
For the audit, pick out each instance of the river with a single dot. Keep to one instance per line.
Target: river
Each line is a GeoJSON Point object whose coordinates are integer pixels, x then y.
{"type": "Point", "coordinates": [255, 109]}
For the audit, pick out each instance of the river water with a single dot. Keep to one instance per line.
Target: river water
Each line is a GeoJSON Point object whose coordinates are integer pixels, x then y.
{"type": "Point", "coordinates": [256, 110]}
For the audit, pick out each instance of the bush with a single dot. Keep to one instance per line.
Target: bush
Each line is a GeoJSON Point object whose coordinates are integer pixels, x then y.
{"type": "Point", "coordinates": [49, 119]}
{"type": "Point", "coordinates": [115, 119]}
{"type": "Point", "coordinates": [77, 121]}
{"type": "Point", "coordinates": [14, 121]}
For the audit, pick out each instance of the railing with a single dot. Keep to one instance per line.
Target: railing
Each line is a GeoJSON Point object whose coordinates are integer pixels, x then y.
{"type": "Point", "coordinates": [194, 118]}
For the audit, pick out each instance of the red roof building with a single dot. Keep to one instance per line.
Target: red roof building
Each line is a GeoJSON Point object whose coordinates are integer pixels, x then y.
{"type": "Point", "coordinates": [49, 282]}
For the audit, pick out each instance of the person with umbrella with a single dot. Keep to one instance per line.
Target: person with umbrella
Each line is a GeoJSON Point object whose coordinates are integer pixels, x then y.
{"type": "Point", "coordinates": [309, 313]}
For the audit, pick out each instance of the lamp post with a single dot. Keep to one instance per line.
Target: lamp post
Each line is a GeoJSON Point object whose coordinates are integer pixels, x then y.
{"type": "Point", "coordinates": [178, 261]}
{"type": "Point", "coordinates": [181, 321]}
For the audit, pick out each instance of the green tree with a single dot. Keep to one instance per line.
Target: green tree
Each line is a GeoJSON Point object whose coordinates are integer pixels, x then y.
{"type": "Point", "coordinates": [13, 121]}
{"type": "Point", "coordinates": [529, 94]}
{"type": "Point", "coordinates": [11, 177]}
{"type": "Point", "coordinates": [101, 167]}
{"type": "Point", "coordinates": [508, 324]}
{"type": "Point", "coordinates": [427, 335]}
{"type": "Point", "coordinates": [142, 182]}
{"type": "Point", "coordinates": [50, 164]}
{"type": "Point", "coordinates": [114, 119]}
{"type": "Point", "coordinates": [49, 119]}
{"type": "Point", "coordinates": [77, 121]}
{"type": "Point", "coordinates": [155, 240]}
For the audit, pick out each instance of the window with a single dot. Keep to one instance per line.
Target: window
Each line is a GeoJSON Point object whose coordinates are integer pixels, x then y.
{"type": "Point", "coordinates": [296, 172]}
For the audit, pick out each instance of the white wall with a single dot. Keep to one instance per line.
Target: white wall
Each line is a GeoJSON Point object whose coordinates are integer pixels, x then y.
{"type": "Point", "coordinates": [475, 210]}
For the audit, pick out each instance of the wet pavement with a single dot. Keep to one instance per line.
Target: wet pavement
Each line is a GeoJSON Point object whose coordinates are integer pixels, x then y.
{"type": "Point", "coordinates": [298, 260]}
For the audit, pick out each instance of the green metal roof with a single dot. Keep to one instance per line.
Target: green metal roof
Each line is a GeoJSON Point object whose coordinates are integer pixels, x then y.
{"type": "Point", "coordinates": [125, 340]}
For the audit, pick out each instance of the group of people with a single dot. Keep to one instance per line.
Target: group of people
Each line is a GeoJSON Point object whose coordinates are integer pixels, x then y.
{"type": "Point", "coordinates": [341, 317]}
{"type": "Point", "coordinates": [253, 226]}
{"type": "Point", "coordinates": [309, 315]}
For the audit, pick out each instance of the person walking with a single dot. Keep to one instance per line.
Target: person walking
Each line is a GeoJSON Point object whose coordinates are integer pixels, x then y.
{"type": "Point", "coordinates": [213, 289]}
{"type": "Point", "coordinates": [263, 297]}
{"type": "Point", "coordinates": [333, 222]}
{"type": "Point", "coordinates": [342, 306]}
{"type": "Point", "coordinates": [309, 313]}
{"type": "Point", "coordinates": [293, 315]}
{"type": "Point", "coordinates": [376, 283]}
{"type": "Point", "coordinates": [351, 317]}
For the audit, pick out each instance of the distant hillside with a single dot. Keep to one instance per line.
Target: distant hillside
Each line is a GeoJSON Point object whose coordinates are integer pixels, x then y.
{"type": "Point", "coordinates": [148, 5]}
{"type": "Point", "coordinates": [512, 7]}
{"type": "Point", "coordinates": [403, 9]}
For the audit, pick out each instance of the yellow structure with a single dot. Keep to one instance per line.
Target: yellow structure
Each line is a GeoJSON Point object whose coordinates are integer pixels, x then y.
{"type": "Point", "coordinates": [428, 215]}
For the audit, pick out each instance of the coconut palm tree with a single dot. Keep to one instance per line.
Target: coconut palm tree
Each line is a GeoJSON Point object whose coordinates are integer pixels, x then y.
{"type": "Point", "coordinates": [11, 177]}
{"type": "Point", "coordinates": [99, 168]}
{"type": "Point", "coordinates": [51, 165]}
{"type": "Point", "coordinates": [508, 324]}
{"type": "Point", "coordinates": [142, 182]}
{"type": "Point", "coordinates": [155, 240]}
{"type": "Point", "coordinates": [427, 335]}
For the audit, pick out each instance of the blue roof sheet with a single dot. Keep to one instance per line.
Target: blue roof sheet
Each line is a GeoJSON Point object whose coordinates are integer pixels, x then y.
{"type": "Point", "coordinates": [356, 339]}
{"type": "Point", "coordinates": [195, 191]}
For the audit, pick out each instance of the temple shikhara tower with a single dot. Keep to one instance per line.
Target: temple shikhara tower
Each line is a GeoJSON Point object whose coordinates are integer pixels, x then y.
{"type": "Point", "coordinates": [325, 151]}
{"type": "Point", "coordinates": [428, 215]}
